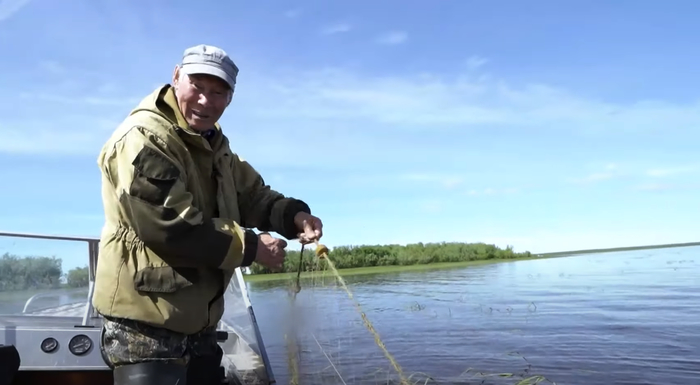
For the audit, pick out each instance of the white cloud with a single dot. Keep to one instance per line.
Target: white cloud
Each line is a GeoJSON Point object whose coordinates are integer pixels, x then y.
{"type": "Point", "coordinates": [612, 171]}
{"type": "Point", "coordinates": [342, 106]}
{"type": "Point", "coordinates": [606, 172]}
{"type": "Point", "coordinates": [72, 123]}
{"type": "Point", "coordinates": [476, 62]}
{"type": "Point", "coordinates": [89, 100]}
{"type": "Point", "coordinates": [393, 38]}
{"type": "Point", "coordinates": [660, 187]}
{"type": "Point", "coordinates": [459, 102]}
{"type": "Point", "coordinates": [336, 28]}
{"type": "Point", "coordinates": [52, 140]}
{"type": "Point", "coordinates": [663, 172]}
{"type": "Point", "coordinates": [10, 7]}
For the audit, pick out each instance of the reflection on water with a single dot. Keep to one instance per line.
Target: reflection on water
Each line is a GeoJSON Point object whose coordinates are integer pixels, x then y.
{"type": "Point", "coordinates": [618, 318]}
{"type": "Point", "coordinates": [623, 318]}
{"type": "Point", "coordinates": [15, 302]}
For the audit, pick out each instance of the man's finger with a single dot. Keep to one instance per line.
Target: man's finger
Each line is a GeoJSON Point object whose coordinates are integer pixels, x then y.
{"type": "Point", "coordinates": [317, 228]}
{"type": "Point", "coordinates": [308, 227]}
{"type": "Point", "coordinates": [309, 231]}
{"type": "Point", "coordinates": [303, 239]}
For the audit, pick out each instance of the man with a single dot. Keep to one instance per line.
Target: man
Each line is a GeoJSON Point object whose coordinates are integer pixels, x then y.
{"type": "Point", "coordinates": [177, 203]}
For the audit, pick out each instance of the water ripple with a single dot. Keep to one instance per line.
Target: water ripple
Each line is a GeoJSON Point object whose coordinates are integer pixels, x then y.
{"type": "Point", "coordinates": [618, 318]}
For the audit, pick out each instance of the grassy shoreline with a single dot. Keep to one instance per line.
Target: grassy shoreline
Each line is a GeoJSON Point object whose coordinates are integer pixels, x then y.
{"type": "Point", "coordinates": [452, 265]}
{"type": "Point", "coordinates": [383, 269]}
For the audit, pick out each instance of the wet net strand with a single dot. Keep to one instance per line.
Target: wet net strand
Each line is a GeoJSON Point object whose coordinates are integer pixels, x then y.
{"type": "Point", "coordinates": [322, 253]}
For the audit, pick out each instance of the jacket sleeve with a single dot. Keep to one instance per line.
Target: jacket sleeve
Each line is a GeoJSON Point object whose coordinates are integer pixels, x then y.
{"type": "Point", "coordinates": [262, 207]}
{"type": "Point", "coordinates": [149, 183]}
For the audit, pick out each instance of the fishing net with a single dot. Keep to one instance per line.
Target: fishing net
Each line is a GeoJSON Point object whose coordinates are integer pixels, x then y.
{"type": "Point", "coordinates": [318, 354]}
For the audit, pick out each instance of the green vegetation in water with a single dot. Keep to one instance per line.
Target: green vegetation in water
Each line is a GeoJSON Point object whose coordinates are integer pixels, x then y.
{"type": "Point", "coordinates": [387, 256]}
{"type": "Point", "coordinates": [375, 269]}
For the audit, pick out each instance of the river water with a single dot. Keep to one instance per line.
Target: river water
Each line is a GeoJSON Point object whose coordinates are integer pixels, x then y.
{"type": "Point", "coordinates": [614, 318]}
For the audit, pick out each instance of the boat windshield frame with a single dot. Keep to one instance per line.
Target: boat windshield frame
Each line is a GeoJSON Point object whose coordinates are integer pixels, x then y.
{"type": "Point", "coordinates": [93, 245]}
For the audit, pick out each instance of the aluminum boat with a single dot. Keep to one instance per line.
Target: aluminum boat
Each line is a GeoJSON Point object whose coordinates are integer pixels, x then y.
{"type": "Point", "coordinates": [55, 337]}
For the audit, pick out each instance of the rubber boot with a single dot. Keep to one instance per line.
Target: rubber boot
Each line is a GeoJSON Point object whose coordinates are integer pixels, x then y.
{"type": "Point", "coordinates": [9, 364]}
{"type": "Point", "coordinates": [151, 373]}
{"type": "Point", "coordinates": [206, 370]}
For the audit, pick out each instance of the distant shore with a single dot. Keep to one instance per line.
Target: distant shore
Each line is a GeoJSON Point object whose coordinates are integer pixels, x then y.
{"type": "Point", "coordinates": [382, 269]}
{"type": "Point", "coordinates": [452, 265]}
{"type": "Point", "coordinates": [626, 248]}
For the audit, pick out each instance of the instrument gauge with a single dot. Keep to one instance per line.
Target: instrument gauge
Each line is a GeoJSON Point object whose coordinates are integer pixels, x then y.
{"type": "Point", "coordinates": [80, 344]}
{"type": "Point", "coordinates": [48, 345]}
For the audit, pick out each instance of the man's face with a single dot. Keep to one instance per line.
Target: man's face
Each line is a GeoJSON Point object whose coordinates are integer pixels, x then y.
{"type": "Point", "coordinates": [202, 99]}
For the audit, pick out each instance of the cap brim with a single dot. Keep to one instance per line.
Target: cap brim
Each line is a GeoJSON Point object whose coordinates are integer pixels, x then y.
{"type": "Point", "coordinates": [205, 69]}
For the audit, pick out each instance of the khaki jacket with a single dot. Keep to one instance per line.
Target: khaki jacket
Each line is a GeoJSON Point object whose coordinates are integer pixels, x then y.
{"type": "Point", "coordinates": [176, 207]}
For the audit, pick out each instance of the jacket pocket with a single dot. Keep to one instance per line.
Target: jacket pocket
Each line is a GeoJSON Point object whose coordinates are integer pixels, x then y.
{"type": "Point", "coordinates": [164, 279]}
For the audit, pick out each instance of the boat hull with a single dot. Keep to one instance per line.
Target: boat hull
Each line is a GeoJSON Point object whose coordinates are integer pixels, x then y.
{"type": "Point", "coordinates": [61, 347]}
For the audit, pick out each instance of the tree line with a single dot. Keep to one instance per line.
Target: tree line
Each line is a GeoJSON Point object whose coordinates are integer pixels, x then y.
{"type": "Point", "coordinates": [346, 257]}
{"type": "Point", "coordinates": [23, 273]}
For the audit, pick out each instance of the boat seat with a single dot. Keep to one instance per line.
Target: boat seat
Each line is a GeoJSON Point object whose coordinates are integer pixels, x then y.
{"type": "Point", "coordinates": [9, 364]}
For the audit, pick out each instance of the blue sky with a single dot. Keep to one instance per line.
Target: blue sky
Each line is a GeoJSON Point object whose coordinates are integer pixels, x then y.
{"type": "Point", "coordinates": [546, 125]}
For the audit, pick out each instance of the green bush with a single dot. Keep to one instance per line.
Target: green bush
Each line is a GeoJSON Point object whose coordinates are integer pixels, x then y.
{"type": "Point", "coordinates": [345, 257]}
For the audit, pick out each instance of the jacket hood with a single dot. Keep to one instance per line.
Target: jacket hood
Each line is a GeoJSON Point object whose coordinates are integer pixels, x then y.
{"type": "Point", "coordinates": [162, 102]}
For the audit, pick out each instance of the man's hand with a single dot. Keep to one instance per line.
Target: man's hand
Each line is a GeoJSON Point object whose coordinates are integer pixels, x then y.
{"type": "Point", "coordinates": [310, 228]}
{"type": "Point", "coordinates": [271, 252]}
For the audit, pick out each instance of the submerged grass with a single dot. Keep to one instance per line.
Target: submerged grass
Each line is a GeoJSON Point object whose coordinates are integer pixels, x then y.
{"type": "Point", "coordinates": [522, 378]}
{"type": "Point", "coordinates": [383, 269]}
{"type": "Point", "coordinates": [468, 376]}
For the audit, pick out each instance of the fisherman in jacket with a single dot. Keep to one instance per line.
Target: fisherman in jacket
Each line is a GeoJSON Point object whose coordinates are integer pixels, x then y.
{"type": "Point", "coordinates": [178, 207]}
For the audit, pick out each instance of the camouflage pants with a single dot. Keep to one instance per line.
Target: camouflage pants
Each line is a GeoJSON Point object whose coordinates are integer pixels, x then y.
{"type": "Point", "coordinates": [129, 342]}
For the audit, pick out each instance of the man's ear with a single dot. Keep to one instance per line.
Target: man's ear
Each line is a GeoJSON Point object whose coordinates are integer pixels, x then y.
{"type": "Point", "coordinates": [176, 75]}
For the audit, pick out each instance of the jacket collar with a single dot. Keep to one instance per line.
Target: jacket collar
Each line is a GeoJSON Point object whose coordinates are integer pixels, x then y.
{"type": "Point", "coordinates": [162, 102]}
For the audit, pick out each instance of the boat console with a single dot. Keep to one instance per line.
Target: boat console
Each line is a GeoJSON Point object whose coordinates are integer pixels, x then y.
{"type": "Point", "coordinates": [50, 342]}
{"type": "Point", "coordinates": [61, 344]}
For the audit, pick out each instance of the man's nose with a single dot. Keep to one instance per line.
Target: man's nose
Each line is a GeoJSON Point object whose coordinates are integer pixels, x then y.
{"type": "Point", "coordinates": [203, 99]}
